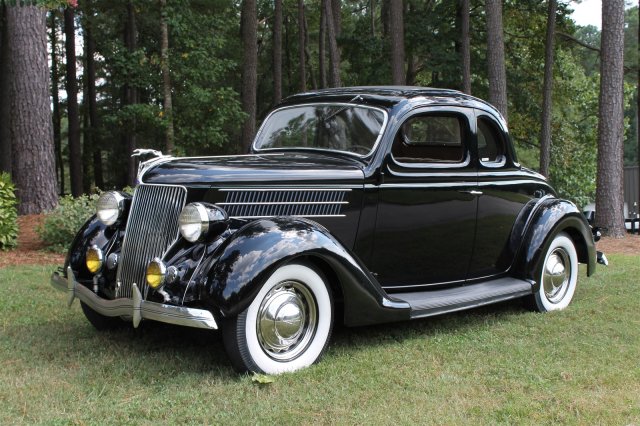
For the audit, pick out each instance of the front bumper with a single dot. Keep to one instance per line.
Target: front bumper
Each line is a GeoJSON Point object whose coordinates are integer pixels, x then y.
{"type": "Point", "coordinates": [135, 308]}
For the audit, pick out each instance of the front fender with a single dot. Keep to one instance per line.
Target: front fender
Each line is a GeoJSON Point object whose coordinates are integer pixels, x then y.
{"type": "Point", "coordinates": [233, 276]}
{"type": "Point", "coordinates": [93, 232]}
{"type": "Point", "coordinates": [550, 217]}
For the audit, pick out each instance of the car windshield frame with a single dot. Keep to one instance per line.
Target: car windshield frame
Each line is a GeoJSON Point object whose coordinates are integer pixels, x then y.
{"type": "Point", "coordinates": [340, 105]}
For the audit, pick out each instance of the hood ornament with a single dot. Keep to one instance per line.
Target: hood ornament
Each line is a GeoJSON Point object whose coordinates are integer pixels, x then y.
{"type": "Point", "coordinates": [148, 158]}
{"type": "Point", "coordinates": [146, 154]}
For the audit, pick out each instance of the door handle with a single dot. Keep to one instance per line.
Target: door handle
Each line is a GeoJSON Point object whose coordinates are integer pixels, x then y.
{"type": "Point", "coordinates": [472, 192]}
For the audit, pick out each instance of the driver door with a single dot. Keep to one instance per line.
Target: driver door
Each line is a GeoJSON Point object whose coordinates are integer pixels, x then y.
{"type": "Point", "coordinates": [427, 202]}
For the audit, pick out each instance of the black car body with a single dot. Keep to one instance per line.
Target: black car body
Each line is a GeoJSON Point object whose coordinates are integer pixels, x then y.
{"type": "Point", "coordinates": [379, 203]}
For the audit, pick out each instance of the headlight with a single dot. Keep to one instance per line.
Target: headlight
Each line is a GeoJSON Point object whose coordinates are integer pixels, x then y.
{"type": "Point", "coordinates": [110, 207]}
{"type": "Point", "coordinates": [197, 219]}
{"type": "Point", "coordinates": [94, 259]}
{"type": "Point", "coordinates": [156, 272]}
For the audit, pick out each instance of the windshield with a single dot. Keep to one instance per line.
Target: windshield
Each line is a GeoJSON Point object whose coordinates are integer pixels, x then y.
{"type": "Point", "coordinates": [341, 127]}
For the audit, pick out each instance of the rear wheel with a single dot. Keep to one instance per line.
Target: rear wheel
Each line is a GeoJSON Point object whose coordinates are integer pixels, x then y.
{"type": "Point", "coordinates": [558, 277]}
{"type": "Point", "coordinates": [99, 321]}
{"type": "Point", "coordinates": [286, 327]}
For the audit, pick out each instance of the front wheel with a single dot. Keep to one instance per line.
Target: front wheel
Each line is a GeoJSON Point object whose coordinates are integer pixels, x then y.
{"type": "Point", "coordinates": [558, 277]}
{"type": "Point", "coordinates": [99, 321]}
{"type": "Point", "coordinates": [286, 327]}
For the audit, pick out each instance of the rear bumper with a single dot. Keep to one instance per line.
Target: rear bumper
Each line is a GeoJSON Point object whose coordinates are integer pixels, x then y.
{"type": "Point", "coordinates": [134, 308]}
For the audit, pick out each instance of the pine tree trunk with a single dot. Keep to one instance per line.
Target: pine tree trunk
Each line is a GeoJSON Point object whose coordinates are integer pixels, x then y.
{"type": "Point", "coordinates": [302, 63]}
{"type": "Point", "coordinates": [30, 113]}
{"type": "Point", "coordinates": [75, 151]}
{"type": "Point", "coordinates": [322, 68]}
{"type": "Point", "coordinates": [55, 98]}
{"type": "Point", "coordinates": [495, 57]}
{"type": "Point", "coordinates": [547, 91]}
{"type": "Point", "coordinates": [94, 120]}
{"type": "Point", "coordinates": [465, 46]}
{"type": "Point", "coordinates": [249, 22]}
{"type": "Point", "coordinates": [166, 79]}
{"type": "Point", "coordinates": [287, 54]}
{"type": "Point", "coordinates": [609, 195]}
{"type": "Point", "coordinates": [384, 17]}
{"type": "Point", "coordinates": [277, 52]}
{"type": "Point", "coordinates": [5, 78]}
{"type": "Point", "coordinates": [307, 54]}
{"type": "Point", "coordinates": [87, 143]}
{"type": "Point", "coordinates": [396, 41]}
{"type": "Point", "coordinates": [334, 53]}
{"type": "Point", "coordinates": [372, 17]}
{"type": "Point", "coordinates": [130, 95]}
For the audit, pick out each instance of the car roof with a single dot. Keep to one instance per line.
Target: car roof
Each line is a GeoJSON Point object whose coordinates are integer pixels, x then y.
{"type": "Point", "coordinates": [389, 96]}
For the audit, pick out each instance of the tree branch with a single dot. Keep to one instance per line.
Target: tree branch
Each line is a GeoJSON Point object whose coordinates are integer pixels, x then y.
{"type": "Point", "coordinates": [577, 41]}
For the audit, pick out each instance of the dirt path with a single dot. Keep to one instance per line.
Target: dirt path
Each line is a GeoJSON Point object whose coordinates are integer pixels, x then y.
{"type": "Point", "coordinates": [30, 248]}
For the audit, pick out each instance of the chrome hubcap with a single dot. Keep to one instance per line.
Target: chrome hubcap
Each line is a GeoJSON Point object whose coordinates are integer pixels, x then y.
{"type": "Point", "coordinates": [287, 320]}
{"type": "Point", "coordinates": [556, 275]}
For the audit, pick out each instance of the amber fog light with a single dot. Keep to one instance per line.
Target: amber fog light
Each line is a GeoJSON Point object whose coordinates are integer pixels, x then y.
{"type": "Point", "coordinates": [94, 259]}
{"type": "Point", "coordinates": [156, 273]}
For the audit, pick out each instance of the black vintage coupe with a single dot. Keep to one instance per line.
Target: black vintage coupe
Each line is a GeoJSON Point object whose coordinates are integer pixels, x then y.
{"type": "Point", "coordinates": [361, 205]}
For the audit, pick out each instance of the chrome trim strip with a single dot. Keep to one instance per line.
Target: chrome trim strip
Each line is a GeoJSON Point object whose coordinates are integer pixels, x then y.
{"type": "Point", "coordinates": [425, 185]}
{"type": "Point", "coordinates": [280, 189]}
{"type": "Point", "coordinates": [283, 203]}
{"type": "Point", "coordinates": [136, 308]}
{"type": "Point", "coordinates": [425, 286]}
{"type": "Point", "coordinates": [448, 184]}
{"type": "Point", "coordinates": [145, 166]}
{"type": "Point", "coordinates": [288, 215]}
{"type": "Point", "coordinates": [436, 165]}
{"type": "Point", "coordinates": [474, 173]}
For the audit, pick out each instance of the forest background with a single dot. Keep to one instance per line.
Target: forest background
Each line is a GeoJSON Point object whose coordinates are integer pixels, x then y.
{"type": "Point", "coordinates": [196, 77]}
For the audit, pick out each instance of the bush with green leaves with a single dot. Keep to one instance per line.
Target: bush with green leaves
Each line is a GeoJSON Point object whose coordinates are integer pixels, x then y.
{"type": "Point", "coordinates": [61, 225]}
{"type": "Point", "coordinates": [8, 213]}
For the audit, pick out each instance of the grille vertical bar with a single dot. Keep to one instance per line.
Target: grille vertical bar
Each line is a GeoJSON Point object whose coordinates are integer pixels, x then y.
{"type": "Point", "coordinates": [151, 229]}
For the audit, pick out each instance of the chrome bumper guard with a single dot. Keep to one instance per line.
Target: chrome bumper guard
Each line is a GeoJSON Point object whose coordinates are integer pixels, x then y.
{"type": "Point", "coordinates": [135, 307]}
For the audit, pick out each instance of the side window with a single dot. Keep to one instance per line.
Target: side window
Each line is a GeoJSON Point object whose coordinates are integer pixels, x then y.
{"type": "Point", "coordinates": [491, 149]}
{"type": "Point", "coordinates": [430, 139]}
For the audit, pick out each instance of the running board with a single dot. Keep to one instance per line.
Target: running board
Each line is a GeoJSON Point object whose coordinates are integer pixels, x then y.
{"type": "Point", "coordinates": [435, 302]}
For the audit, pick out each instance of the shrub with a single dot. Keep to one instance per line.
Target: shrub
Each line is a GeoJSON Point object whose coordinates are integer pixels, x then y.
{"type": "Point", "coordinates": [8, 213]}
{"type": "Point", "coordinates": [61, 225]}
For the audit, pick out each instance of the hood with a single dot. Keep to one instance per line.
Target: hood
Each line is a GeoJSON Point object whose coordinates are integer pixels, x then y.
{"type": "Point", "coordinates": [285, 167]}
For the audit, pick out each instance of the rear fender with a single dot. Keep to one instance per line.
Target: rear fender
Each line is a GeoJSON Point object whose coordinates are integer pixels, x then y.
{"type": "Point", "coordinates": [550, 217]}
{"type": "Point", "coordinates": [231, 278]}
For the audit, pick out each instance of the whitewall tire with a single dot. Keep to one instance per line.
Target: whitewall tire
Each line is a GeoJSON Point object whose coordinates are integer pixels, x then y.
{"type": "Point", "coordinates": [286, 327]}
{"type": "Point", "coordinates": [558, 276]}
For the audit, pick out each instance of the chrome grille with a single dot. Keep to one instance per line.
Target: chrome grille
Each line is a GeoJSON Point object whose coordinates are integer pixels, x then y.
{"type": "Point", "coordinates": [254, 203]}
{"type": "Point", "coordinates": [151, 229]}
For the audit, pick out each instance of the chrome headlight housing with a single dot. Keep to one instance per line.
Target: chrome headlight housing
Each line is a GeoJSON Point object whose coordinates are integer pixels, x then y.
{"type": "Point", "coordinates": [110, 207]}
{"type": "Point", "coordinates": [197, 219]}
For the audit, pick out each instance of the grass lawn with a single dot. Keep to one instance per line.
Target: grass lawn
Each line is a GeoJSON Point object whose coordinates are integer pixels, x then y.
{"type": "Point", "coordinates": [500, 364]}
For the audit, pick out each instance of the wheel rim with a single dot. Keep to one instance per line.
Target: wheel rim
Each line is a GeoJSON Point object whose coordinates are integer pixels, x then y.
{"type": "Point", "coordinates": [557, 274]}
{"type": "Point", "coordinates": [287, 320]}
